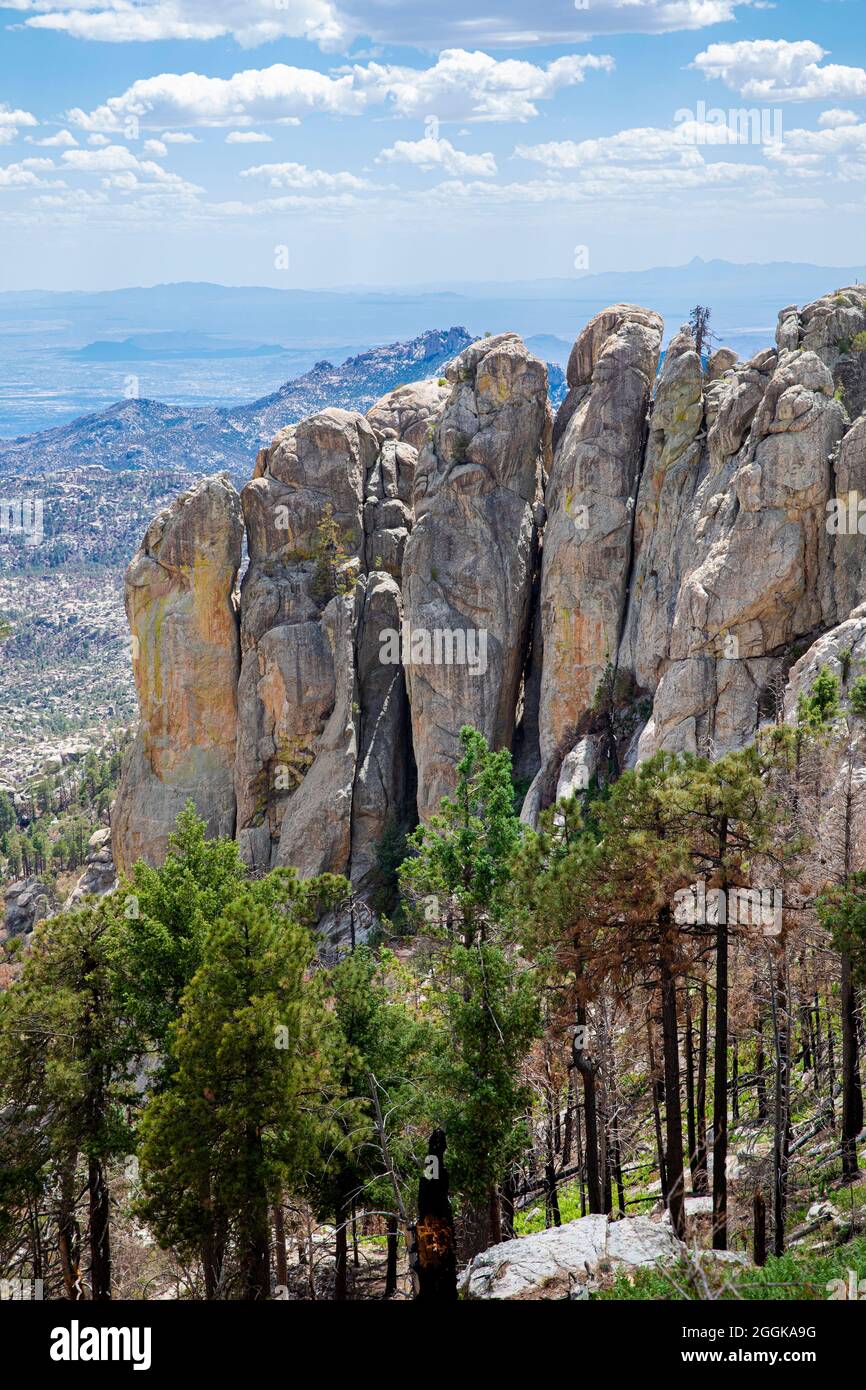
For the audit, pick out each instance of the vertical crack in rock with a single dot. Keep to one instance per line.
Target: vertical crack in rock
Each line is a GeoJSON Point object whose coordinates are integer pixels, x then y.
{"type": "Point", "coordinates": [760, 572]}
{"type": "Point", "coordinates": [300, 603]}
{"type": "Point", "coordinates": [600, 431]}
{"type": "Point", "coordinates": [467, 571]}
{"type": "Point", "coordinates": [383, 799]}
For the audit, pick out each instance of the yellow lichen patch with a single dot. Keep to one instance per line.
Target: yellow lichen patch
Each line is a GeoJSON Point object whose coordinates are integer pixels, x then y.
{"type": "Point", "coordinates": [493, 383]}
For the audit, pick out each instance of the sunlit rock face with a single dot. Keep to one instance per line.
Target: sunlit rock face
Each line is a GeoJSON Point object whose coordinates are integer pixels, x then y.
{"type": "Point", "coordinates": [298, 620]}
{"type": "Point", "coordinates": [185, 656]}
{"type": "Point", "coordinates": [469, 561]}
{"type": "Point", "coordinates": [650, 570]}
{"type": "Point", "coordinates": [600, 435]}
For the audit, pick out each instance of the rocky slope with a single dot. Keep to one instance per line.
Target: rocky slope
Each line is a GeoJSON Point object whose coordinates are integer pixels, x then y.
{"type": "Point", "coordinates": [642, 575]}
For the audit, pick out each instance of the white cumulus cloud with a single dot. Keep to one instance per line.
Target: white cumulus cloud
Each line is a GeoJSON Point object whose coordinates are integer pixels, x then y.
{"type": "Point", "coordinates": [466, 86]}
{"type": "Point", "coordinates": [11, 122]}
{"type": "Point", "coordinates": [836, 152]}
{"type": "Point", "coordinates": [643, 145]}
{"type": "Point", "coordinates": [459, 86]}
{"type": "Point", "coordinates": [780, 70]}
{"type": "Point", "coordinates": [27, 173]}
{"type": "Point", "coordinates": [835, 117]}
{"type": "Point", "coordinates": [246, 98]}
{"type": "Point", "coordinates": [431, 153]}
{"type": "Point", "coordinates": [64, 139]}
{"type": "Point", "coordinates": [334, 24]}
{"type": "Point", "coordinates": [249, 22]}
{"type": "Point", "coordinates": [123, 169]}
{"type": "Point", "coordinates": [298, 176]}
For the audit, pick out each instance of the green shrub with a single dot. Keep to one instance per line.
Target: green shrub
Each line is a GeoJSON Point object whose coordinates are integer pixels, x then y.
{"type": "Point", "coordinates": [817, 709]}
{"type": "Point", "coordinates": [857, 698]}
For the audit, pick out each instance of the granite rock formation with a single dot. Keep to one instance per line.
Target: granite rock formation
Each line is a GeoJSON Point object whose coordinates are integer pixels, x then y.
{"type": "Point", "coordinates": [651, 570]}
{"type": "Point", "coordinates": [182, 615]}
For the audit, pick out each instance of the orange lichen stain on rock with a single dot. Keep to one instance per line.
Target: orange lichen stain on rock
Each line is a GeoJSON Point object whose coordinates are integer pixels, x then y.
{"type": "Point", "coordinates": [578, 657]}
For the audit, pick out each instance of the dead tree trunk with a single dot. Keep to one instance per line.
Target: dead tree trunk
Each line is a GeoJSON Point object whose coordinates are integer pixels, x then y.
{"type": "Point", "coordinates": [700, 1182]}
{"type": "Point", "coordinates": [657, 1118]}
{"type": "Point", "coordinates": [436, 1247]}
{"type": "Point", "coordinates": [280, 1252]}
{"type": "Point", "coordinates": [587, 1070]}
{"type": "Point", "coordinates": [720, 1091]}
{"type": "Point", "coordinates": [673, 1112]}
{"type": "Point", "coordinates": [852, 1093]}
{"type": "Point", "coordinates": [781, 1115]}
{"type": "Point", "coordinates": [691, 1133]}
{"type": "Point", "coordinates": [759, 1228]}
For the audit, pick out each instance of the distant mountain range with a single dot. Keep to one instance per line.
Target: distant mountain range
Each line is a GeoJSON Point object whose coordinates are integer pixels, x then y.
{"type": "Point", "coordinates": [743, 298]}
{"type": "Point", "coordinates": [148, 436]}
{"type": "Point", "coordinates": [180, 347]}
{"type": "Point", "coordinates": [70, 353]}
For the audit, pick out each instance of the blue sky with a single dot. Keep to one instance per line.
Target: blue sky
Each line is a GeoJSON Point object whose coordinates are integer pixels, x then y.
{"type": "Point", "coordinates": [322, 143]}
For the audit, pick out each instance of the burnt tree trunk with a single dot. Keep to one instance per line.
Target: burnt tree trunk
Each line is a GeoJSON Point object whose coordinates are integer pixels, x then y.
{"type": "Point", "coordinates": [68, 1234]}
{"type": "Point", "coordinates": [435, 1245]}
{"type": "Point", "coordinates": [280, 1252]}
{"type": "Point", "coordinates": [99, 1226]}
{"type": "Point", "coordinates": [691, 1133]}
{"type": "Point", "coordinates": [657, 1118]}
{"type": "Point", "coordinates": [760, 1059]}
{"type": "Point", "coordinates": [586, 1068]}
{"type": "Point", "coordinates": [759, 1228]}
{"type": "Point", "coordinates": [700, 1182]}
{"type": "Point", "coordinates": [673, 1112]}
{"type": "Point", "coordinates": [341, 1251]}
{"type": "Point", "coordinates": [391, 1262]}
{"type": "Point", "coordinates": [781, 1116]}
{"type": "Point", "coordinates": [852, 1093]}
{"type": "Point", "coordinates": [720, 1091]}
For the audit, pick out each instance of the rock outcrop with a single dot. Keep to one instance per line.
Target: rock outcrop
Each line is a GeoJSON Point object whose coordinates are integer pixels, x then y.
{"type": "Point", "coordinates": [600, 432]}
{"type": "Point", "coordinates": [835, 775]}
{"type": "Point", "coordinates": [469, 561]}
{"type": "Point", "coordinates": [180, 604]}
{"type": "Point", "coordinates": [27, 901]}
{"type": "Point", "coordinates": [646, 572]}
{"type": "Point", "coordinates": [304, 512]}
{"type": "Point", "coordinates": [407, 413]}
{"type": "Point", "coordinates": [759, 574]}
{"type": "Point", "coordinates": [388, 514]}
{"type": "Point", "coordinates": [558, 1263]}
{"type": "Point", "coordinates": [100, 875]}
{"type": "Point", "coordinates": [322, 767]}
{"type": "Point", "coordinates": [384, 786]}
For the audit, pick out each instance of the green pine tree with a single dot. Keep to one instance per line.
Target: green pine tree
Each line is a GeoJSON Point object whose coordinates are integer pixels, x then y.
{"type": "Point", "coordinates": [485, 1001]}
{"type": "Point", "coordinates": [237, 1122]}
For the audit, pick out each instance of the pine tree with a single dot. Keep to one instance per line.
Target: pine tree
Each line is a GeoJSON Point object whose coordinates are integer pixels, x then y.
{"type": "Point", "coordinates": [167, 913]}
{"type": "Point", "coordinates": [375, 1041]}
{"type": "Point", "coordinates": [458, 882]}
{"type": "Point", "coordinates": [236, 1124]}
{"type": "Point", "coordinates": [554, 902]}
{"type": "Point", "coordinates": [66, 1063]}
